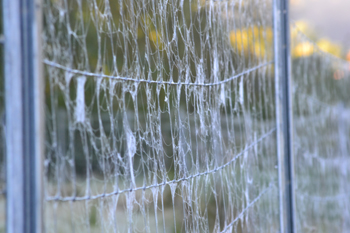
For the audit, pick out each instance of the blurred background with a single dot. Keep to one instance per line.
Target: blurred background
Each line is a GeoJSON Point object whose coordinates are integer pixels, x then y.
{"type": "Point", "coordinates": [326, 22]}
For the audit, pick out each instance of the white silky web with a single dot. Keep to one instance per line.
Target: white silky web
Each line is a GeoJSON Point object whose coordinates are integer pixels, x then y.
{"type": "Point", "coordinates": [160, 116]}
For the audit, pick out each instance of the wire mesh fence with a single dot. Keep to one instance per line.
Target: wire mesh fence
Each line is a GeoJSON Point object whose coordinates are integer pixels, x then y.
{"type": "Point", "coordinates": [160, 116]}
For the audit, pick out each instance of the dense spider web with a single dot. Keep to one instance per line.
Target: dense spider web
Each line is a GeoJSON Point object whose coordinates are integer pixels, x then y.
{"type": "Point", "coordinates": [321, 114]}
{"type": "Point", "coordinates": [160, 116]}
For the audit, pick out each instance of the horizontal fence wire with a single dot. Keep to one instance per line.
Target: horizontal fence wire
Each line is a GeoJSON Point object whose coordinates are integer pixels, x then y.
{"type": "Point", "coordinates": [79, 72]}
{"type": "Point", "coordinates": [63, 199]}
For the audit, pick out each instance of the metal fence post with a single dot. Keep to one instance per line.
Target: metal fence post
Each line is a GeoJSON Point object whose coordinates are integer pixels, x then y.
{"type": "Point", "coordinates": [284, 116]}
{"type": "Point", "coordinates": [24, 115]}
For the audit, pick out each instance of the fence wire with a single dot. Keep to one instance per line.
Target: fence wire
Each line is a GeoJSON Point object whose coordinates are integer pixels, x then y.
{"type": "Point", "coordinates": [160, 116]}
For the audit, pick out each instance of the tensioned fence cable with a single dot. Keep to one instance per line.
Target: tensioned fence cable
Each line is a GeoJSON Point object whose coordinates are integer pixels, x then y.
{"type": "Point", "coordinates": [74, 71]}
{"type": "Point", "coordinates": [58, 198]}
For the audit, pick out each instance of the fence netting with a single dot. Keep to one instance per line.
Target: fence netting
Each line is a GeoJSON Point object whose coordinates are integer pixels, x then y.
{"type": "Point", "coordinates": [321, 114]}
{"type": "Point", "coordinates": [160, 116]}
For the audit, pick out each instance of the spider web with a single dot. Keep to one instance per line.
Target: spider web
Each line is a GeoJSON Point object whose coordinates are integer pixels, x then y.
{"type": "Point", "coordinates": [160, 116]}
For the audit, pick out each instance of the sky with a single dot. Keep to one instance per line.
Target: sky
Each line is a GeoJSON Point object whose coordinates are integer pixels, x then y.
{"type": "Point", "coordinates": [329, 18]}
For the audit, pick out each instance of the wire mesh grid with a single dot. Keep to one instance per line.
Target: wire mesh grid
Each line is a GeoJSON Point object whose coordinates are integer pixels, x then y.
{"type": "Point", "coordinates": [160, 116]}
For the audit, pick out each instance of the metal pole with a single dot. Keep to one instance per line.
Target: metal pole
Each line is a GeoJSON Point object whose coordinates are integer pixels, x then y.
{"type": "Point", "coordinates": [24, 115]}
{"type": "Point", "coordinates": [284, 116]}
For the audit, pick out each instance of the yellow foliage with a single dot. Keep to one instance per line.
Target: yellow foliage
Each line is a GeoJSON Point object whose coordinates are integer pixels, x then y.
{"type": "Point", "coordinates": [329, 47]}
{"type": "Point", "coordinates": [156, 38]}
{"type": "Point", "coordinates": [300, 26]}
{"type": "Point", "coordinates": [303, 49]}
{"type": "Point", "coordinates": [106, 70]}
{"type": "Point", "coordinates": [306, 48]}
{"type": "Point", "coordinates": [252, 40]}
